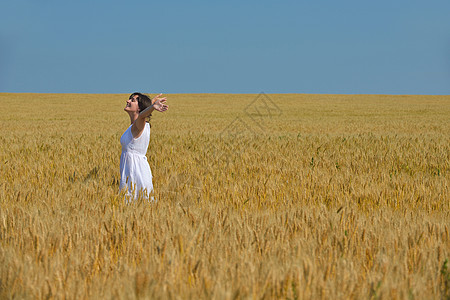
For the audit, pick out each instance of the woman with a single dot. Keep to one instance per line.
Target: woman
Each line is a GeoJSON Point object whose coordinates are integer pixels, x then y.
{"type": "Point", "coordinates": [135, 173]}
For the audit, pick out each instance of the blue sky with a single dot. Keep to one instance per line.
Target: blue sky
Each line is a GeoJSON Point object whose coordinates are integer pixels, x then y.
{"type": "Point", "coordinates": [340, 47]}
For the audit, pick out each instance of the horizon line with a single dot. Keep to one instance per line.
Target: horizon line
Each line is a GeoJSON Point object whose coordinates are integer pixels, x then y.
{"type": "Point", "coordinates": [209, 93]}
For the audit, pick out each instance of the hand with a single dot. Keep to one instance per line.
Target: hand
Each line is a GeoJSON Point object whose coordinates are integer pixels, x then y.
{"type": "Point", "coordinates": [159, 103]}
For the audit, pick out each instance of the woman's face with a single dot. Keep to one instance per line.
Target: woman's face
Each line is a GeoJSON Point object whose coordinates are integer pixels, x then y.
{"type": "Point", "coordinates": [132, 104]}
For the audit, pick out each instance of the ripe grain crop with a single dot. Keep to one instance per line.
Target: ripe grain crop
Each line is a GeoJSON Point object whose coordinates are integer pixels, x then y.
{"type": "Point", "coordinates": [320, 197]}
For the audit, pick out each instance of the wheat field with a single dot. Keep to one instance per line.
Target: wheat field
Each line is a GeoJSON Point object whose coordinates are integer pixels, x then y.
{"type": "Point", "coordinates": [258, 197]}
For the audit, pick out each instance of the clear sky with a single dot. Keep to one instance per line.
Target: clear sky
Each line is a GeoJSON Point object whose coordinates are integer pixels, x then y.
{"type": "Point", "coordinates": [328, 46]}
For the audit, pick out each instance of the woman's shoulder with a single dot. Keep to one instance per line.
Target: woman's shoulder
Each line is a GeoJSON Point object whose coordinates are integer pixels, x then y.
{"type": "Point", "coordinates": [147, 127]}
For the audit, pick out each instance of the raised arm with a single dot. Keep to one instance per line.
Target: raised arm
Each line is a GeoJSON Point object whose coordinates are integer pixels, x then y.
{"type": "Point", "coordinates": [159, 104]}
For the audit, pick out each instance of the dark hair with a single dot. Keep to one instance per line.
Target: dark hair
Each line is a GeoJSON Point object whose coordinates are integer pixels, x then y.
{"type": "Point", "coordinates": [144, 101]}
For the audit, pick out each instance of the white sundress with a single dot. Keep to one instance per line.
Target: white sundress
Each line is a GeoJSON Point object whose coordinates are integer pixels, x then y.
{"type": "Point", "coordinates": [135, 173]}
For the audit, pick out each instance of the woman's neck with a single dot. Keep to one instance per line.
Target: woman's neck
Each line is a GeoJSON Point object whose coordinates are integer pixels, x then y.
{"type": "Point", "coordinates": [133, 117]}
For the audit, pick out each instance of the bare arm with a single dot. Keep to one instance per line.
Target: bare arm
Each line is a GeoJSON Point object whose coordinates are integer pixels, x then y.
{"type": "Point", "coordinates": [159, 104]}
